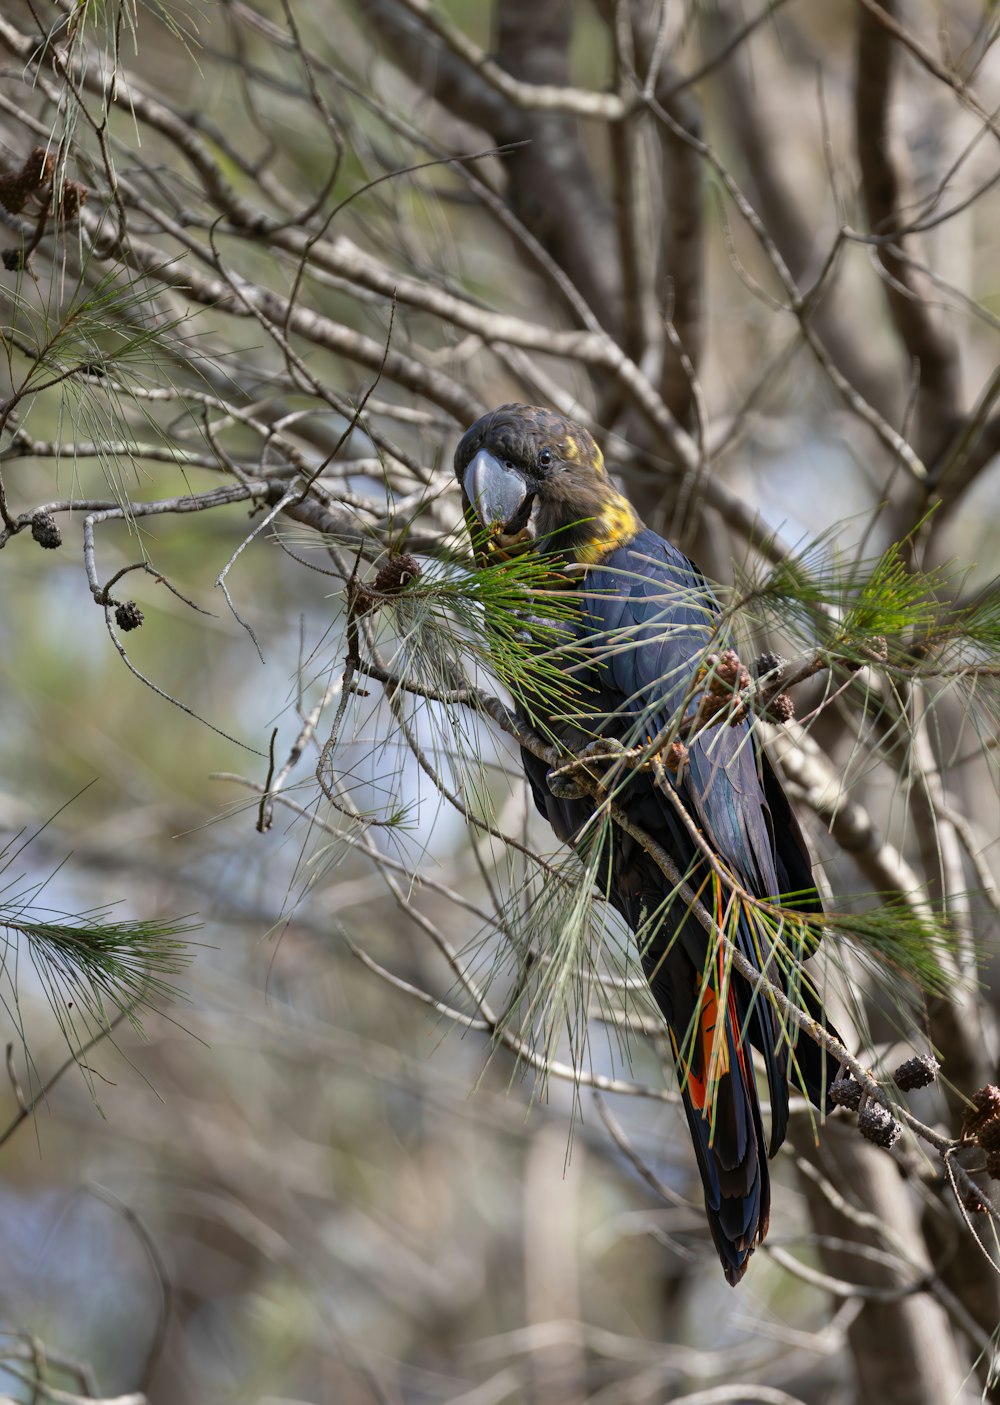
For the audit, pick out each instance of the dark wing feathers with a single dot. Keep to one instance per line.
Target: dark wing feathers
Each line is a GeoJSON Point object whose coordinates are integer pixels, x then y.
{"type": "Point", "coordinates": [651, 593]}
{"type": "Point", "coordinates": [671, 618]}
{"type": "Point", "coordinates": [647, 617]}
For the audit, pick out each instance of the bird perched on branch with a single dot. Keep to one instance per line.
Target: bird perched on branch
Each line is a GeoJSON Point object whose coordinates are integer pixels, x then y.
{"type": "Point", "coordinates": [638, 627]}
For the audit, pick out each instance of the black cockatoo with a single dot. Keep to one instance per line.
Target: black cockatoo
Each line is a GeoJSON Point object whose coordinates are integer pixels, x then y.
{"type": "Point", "coordinates": [641, 618]}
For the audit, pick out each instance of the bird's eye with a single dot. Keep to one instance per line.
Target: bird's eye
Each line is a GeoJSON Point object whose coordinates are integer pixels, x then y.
{"type": "Point", "coordinates": [545, 459]}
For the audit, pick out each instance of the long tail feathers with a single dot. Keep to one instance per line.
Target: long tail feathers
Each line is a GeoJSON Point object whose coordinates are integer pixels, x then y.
{"type": "Point", "coordinates": [723, 1113]}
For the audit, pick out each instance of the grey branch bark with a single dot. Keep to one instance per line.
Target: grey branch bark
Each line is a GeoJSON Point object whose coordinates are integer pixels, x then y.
{"type": "Point", "coordinates": [925, 336]}
{"type": "Point", "coordinates": [746, 94]}
{"type": "Point", "coordinates": [553, 184]}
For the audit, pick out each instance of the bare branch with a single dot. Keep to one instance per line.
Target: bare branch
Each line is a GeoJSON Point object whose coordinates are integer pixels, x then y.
{"type": "Point", "coordinates": [925, 336]}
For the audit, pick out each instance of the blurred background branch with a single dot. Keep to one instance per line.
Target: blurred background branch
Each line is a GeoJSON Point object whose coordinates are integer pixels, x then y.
{"type": "Point", "coordinates": [262, 264]}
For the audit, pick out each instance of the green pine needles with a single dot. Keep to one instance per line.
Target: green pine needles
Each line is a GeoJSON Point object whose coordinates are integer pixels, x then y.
{"type": "Point", "coordinates": [91, 970]}
{"type": "Point", "coordinates": [447, 635]}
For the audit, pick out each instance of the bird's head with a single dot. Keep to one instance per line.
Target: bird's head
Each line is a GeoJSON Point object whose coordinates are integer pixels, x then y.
{"type": "Point", "coordinates": [533, 480]}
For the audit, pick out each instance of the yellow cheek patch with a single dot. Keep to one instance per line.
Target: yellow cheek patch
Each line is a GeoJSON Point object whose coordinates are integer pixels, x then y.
{"type": "Point", "coordinates": [616, 524]}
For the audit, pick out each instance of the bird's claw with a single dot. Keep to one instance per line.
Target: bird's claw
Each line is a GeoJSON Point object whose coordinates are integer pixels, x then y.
{"type": "Point", "coordinates": [562, 781]}
{"type": "Point", "coordinates": [606, 748]}
{"type": "Point", "coordinates": [564, 786]}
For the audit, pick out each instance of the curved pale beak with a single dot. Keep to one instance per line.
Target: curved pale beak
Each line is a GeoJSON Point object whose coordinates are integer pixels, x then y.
{"type": "Point", "coordinates": [495, 492]}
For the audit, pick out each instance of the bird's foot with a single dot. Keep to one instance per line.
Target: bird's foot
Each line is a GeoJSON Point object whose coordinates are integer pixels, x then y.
{"type": "Point", "coordinates": [564, 785]}
{"type": "Point", "coordinates": [566, 781]}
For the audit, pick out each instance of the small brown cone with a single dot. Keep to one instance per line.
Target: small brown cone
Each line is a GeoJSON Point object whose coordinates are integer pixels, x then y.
{"type": "Point", "coordinates": [74, 194]}
{"type": "Point", "coordinates": [989, 1135]}
{"type": "Point", "coordinates": [917, 1072]}
{"type": "Point", "coordinates": [877, 1124]}
{"type": "Point", "coordinates": [17, 187]}
{"type": "Point", "coordinates": [393, 576]}
{"type": "Point", "coordinates": [676, 756]}
{"type": "Point", "coordinates": [769, 663]}
{"type": "Point", "coordinates": [845, 1092]}
{"type": "Point", "coordinates": [45, 531]}
{"type": "Point", "coordinates": [128, 616]}
{"type": "Point", "coordinates": [780, 709]}
{"type": "Point", "coordinates": [985, 1105]}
